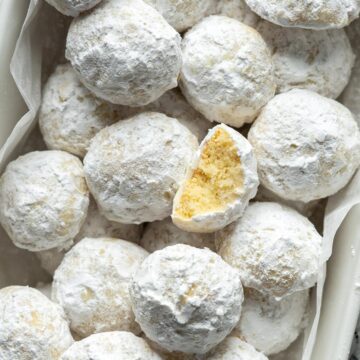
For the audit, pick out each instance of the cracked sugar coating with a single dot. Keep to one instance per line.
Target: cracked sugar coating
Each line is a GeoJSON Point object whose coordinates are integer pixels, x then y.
{"type": "Point", "coordinates": [173, 104]}
{"type": "Point", "coordinates": [95, 225]}
{"type": "Point", "coordinates": [238, 10]}
{"type": "Point", "coordinates": [183, 14]}
{"type": "Point", "coordinates": [219, 184]}
{"type": "Point", "coordinates": [125, 52]}
{"type": "Point", "coordinates": [275, 249]}
{"type": "Point", "coordinates": [320, 61]}
{"type": "Point", "coordinates": [109, 346]}
{"type": "Point", "coordinates": [91, 284]}
{"type": "Point", "coordinates": [72, 7]}
{"type": "Point", "coordinates": [70, 115]}
{"type": "Point", "coordinates": [31, 326]}
{"type": "Point", "coordinates": [160, 234]}
{"type": "Point", "coordinates": [227, 71]}
{"type": "Point", "coordinates": [272, 325]}
{"type": "Point", "coordinates": [134, 167]}
{"type": "Point", "coordinates": [233, 348]}
{"type": "Point", "coordinates": [307, 146]}
{"type": "Point", "coordinates": [309, 14]}
{"type": "Point", "coordinates": [186, 299]}
{"type": "Point", "coordinates": [43, 200]}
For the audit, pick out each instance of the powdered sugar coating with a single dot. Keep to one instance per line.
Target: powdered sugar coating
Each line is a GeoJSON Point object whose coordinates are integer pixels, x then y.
{"type": "Point", "coordinates": [173, 104]}
{"type": "Point", "coordinates": [238, 10]}
{"type": "Point", "coordinates": [183, 14]}
{"type": "Point", "coordinates": [307, 146]}
{"type": "Point", "coordinates": [160, 234]}
{"type": "Point", "coordinates": [134, 167]}
{"type": "Point", "coordinates": [308, 14]}
{"type": "Point", "coordinates": [73, 7]}
{"type": "Point", "coordinates": [272, 325]}
{"type": "Point", "coordinates": [320, 61]}
{"type": "Point", "coordinates": [43, 200]}
{"type": "Point", "coordinates": [275, 249]}
{"type": "Point", "coordinates": [186, 299]}
{"type": "Point", "coordinates": [70, 115]}
{"type": "Point", "coordinates": [95, 226]}
{"type": "Point", "coordinates": [31, 326]}
{"type": "Point", "coordinates": [91, 284]}
{"type": "Point", "coordinates": [125, 52]}
{"type": "Point", "coordinates": [227, 72]}
{"type": "Point", "coordinates": [216, 220]}
{"type": "Point", "coordinates": [233, 348]}
{"type": "Point", "coordinates": [111, 345]}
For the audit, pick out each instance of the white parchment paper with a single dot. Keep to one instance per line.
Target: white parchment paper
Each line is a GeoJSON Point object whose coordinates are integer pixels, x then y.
{"type": "Point", "coordinates": [41, 46]}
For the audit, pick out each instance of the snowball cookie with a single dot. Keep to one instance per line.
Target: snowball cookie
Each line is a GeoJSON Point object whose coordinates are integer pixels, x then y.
{"type": "Point", "coordinates": [227, 71]}
{"type": "Point", "coordinates": [238, 10]}
{"type": "Point", "coordinates": [186, 299]}
{"type": "Point", "coordinates": [232, 348]}
{"type": "Point", "coordinates": [125, 52]}
{"type": "Point", "coordinates": [43, 200]}
{"type": "Point", "coordinates": [95, 225]}
{"type": "Point", "coordinates": [91, 284]}
{"type": "Point", "coordinates": [31, 326]}
{"type": "Point", "coordinates": [272, 325]}
{"type": "Point", "coordinates": [110, 346]}
{"type": "Point", "coordinates": [275, 249]}
{"type": "Point", "coordinates": [183, 14]}
{"type": "Point", "coordinates": [320, 61]}
{"type": "Point", "coordinates": [72, 7]}
{"type": "Point", "coordinates": [160, 234]}
{"type": "Point", "coordinates": [70, 115]}
{"type": "Point", "coordinates": [307, 146]}
{"type": "Point", "coordinates": [221, 181]}
{"type": "Point", "coordinates": [134, 167]}
{"type": "Point", "coordinates": [309, 14]}
{"type": "Point", "coordinates": [173, 104]}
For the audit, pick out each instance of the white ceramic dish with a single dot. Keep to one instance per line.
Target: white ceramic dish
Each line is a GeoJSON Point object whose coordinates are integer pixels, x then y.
{"type": "Point", "coordinates": [341, 302]}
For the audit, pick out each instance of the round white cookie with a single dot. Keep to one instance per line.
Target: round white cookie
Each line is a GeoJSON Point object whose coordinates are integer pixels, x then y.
{"type": "Point", "coordinates": [219, 184]}
{"type": "Point", "coordinates": [91, 284]}
{"type": "Point", "coordinates": [272, 325]}
{"type": "Point", "coordinates": [275, 249]}
{"type": "Point", "coordinates": [43, 200]}
{"type": "Point", "coordinates": [72, 7]}
{"type": "Point", "coordinates": [95, 226]}
{"type": "Point", "coordinates": [109, 346]}
{"type": "Point", "coordinates": [70, 115]}
{"type": "Point", "coordinates": [160, 234]}
{"type": "Point", "coordinates": [233, 348]}
{"type": "Point", "coordinates": [320, 61]}
{"type": "Point", "coordinates": [308, 14]}
{"type": "Point", "coordinates": [183, 14]}
{"type": "Point", "coordinates": [186, 299]}
{"type": "Point", "coordinates": [238, 10]}
{"type": "Point", "coordinates": [134, 167]}
{"type": "Point", "coordinates": [227, 71]}
{"type": "Point", "coordinates": [31, 326]}
{"type": "Point", "coordinates": [125, 52]}
{"type": "Point", "coordinates": [307, 146]}
{"type": "Point", "coordinates": [173, 104]}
